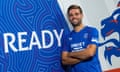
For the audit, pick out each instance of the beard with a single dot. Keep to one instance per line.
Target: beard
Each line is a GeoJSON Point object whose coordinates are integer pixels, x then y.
{"type": "Point", "coordinates": [77, 23]}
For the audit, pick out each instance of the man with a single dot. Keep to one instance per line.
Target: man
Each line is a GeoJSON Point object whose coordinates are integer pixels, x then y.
{"type": "Point", "coordinates": [80, 46]}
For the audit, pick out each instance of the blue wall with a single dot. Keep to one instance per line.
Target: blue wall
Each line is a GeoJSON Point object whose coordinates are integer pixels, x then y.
{"type": "Point", "coordinates": [26, 21]}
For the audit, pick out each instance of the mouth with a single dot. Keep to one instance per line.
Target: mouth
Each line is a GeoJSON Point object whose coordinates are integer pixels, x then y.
{"type": "Point", "coordinates": [106, 31]}
{"type": "Point", "coordinates": [74, 20]}
{"type": "Point", "coordinates": [110, 32]}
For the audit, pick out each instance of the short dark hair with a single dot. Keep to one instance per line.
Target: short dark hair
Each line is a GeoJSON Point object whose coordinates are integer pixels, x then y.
{"type": "Point", "coordinates": [74, 7]}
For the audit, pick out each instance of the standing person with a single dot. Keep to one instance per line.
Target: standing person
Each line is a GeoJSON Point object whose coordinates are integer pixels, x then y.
{"type": "Point", "coordinates": [80, 46]}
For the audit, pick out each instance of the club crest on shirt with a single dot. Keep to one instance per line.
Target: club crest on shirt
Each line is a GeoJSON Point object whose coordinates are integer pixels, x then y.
{"type": "Point", "coordinates": [70, 38]}
{"type": "Point", "coordinates": [86, 35]}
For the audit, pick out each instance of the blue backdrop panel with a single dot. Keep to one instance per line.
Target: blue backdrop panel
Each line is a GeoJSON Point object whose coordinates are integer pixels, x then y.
{"type": "Point", "coordinates": [27, 16]}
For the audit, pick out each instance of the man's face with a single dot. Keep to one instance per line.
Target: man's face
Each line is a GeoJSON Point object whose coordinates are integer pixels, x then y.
{"type": "Point", "coordinates": [75, 17]}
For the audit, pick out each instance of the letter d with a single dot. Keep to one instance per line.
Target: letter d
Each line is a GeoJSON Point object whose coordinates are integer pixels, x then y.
{"type": "Point", "coordinates": [44, 41]}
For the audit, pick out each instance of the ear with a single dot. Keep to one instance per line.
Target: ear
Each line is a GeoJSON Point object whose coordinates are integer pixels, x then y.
{"type": "Point", "coordinates": [82, 15]}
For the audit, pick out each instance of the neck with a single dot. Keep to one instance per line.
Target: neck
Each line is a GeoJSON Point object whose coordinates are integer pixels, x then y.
{"type": "Point", "coordinates": [78, 28]}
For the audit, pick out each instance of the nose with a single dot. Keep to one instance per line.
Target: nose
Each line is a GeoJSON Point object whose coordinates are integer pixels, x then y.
{"type": "Point", "coordinates": [73, 16]}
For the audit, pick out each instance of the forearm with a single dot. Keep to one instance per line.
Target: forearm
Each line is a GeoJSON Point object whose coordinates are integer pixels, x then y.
{"type": "Point", "coordinates": [67, 60]}
{"type": "Point", "coordinates": [83, 55]}
{"type": "Point", "coordinates": [70, 61]}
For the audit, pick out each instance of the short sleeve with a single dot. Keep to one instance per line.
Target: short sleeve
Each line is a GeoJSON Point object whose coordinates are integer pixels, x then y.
{"type": "Point", "coordinates": [65, 44]}
{"type": "Point", "coordinates": [93, 39]}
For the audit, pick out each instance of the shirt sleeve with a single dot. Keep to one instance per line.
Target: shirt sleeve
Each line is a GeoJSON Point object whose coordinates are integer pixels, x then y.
{"type": "Point", "coordinates": [65, 44]}
{"type": "Point", "coordinates": [94, 37]}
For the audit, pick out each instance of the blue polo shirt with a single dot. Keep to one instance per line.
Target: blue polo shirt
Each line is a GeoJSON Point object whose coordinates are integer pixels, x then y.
{"type": "Point", "coordinates": [78, 41]}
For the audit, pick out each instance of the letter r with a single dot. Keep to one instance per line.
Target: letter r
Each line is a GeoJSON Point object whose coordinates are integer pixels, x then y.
{"type": "Point", "coordinates": [8, 43]}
